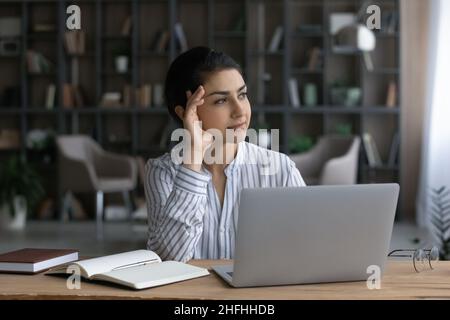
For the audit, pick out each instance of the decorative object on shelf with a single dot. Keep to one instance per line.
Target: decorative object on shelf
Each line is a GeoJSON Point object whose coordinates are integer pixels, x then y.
{"type": "Point", "coordinates": [440, 220]}
{"type": "Point", "coordinates": [42, 142]}
{"type": "Point", "coordinates": [310, 94]}
{"type": "Point", "coordinates": [339, 20]}
{"type": "Point", "coordinates": [300, 143]}
{"type": "Point", "coordinates": [121, 57]}
{"type": "Point", "coordinates": [38, 63]}
{"type": "Point", "coordinates": [344, 95]}
{"type": "Point", "coordinates": [20, 190]}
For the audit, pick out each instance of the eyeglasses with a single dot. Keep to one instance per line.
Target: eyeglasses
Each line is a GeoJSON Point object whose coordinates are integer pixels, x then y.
{"type": "Point", "coordinates": [420, 257]}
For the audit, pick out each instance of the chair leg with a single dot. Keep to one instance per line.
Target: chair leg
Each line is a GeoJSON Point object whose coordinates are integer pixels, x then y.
{"type": "Point", "coordinates": [64, 213]}
{"type": "Point", "coordinates": [99, 214]}
{"type": "Point", "coordinates": [128, 204]}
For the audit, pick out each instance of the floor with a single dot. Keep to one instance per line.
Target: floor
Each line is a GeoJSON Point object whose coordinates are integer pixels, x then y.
{"type": "Point", "coordinates": [124, 236]}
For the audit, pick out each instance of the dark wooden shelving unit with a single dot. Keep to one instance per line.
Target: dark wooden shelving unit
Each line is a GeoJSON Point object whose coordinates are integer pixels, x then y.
{"type": "Point", "coordinates": [226, 25]}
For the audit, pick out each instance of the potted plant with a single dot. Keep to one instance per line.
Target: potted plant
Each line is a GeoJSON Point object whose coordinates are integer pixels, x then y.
{"type": "Point", "coordinates": [20, 189]}
{"type": "Point", "coordinates": [299, 144]}
{"type": "Point", "coordinates": [121, 58]}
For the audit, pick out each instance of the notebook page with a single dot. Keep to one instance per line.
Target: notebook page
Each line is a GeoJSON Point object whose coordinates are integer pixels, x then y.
{"type": "Point", "coordinates": [117, 261]}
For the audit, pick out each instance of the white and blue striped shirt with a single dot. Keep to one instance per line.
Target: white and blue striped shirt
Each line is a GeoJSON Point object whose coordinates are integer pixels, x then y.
{"type": "Point", "coordinates": [185, 217]}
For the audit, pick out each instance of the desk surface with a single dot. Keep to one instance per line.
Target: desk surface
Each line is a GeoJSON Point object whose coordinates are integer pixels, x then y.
{"type": "Point", "coordinates": [400, 281]}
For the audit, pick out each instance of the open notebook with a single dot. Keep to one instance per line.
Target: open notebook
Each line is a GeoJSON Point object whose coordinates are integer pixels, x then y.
{"type": "Point", "coordinates": [138, 269]}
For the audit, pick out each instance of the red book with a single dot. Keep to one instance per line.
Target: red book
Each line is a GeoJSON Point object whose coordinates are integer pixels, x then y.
{"type": "Point", "coordinates": [30, 260]}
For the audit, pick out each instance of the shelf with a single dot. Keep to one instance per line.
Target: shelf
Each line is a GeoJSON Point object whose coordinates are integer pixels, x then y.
{"type": "Point", "coordinates": [41, 111]}
{"type": "Point", "coordinates": [301, 71]}
{"type": "Point", "coordinates": [383, 167]}
{"type": "Point", "coordinates": [115, 74]}
{"type": "Point", "coordinates": [41, 74]}
{"type": "Point", "coordinates": [148, 54]}
{"type": "Point", "coordinates": [278, 53]}
{"type": "Point", "coordinates": [44, 36]}
{"type": "Point", "coordinates": [116, 37]}
{"type": "Point", "coordinates": [384, 71]}
{"type": "Point", "coordinates": [229, 34]}
{"type": "Point", "coordinates": [10, 110]}
{"type": "Point", "coordinates": [298, 34]}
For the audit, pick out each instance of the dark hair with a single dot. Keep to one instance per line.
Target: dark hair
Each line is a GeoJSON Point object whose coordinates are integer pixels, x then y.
{"type": "Point", "coordinates": [189, 70]}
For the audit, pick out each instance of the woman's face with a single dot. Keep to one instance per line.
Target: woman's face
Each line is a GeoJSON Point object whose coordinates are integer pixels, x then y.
{"type": "Point", "coordinates": [226, 104]}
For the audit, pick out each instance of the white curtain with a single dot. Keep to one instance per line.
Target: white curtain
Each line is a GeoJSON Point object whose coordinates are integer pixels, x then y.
{"type": "Point", "coordinates": [435, 165]}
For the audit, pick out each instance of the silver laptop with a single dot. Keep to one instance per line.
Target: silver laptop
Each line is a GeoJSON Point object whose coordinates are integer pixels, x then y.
{"type": "Point", "coordinates": [298, 235]}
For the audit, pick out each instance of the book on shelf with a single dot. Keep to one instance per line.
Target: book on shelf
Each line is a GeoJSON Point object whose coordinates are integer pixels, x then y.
{"type": "Point", "coordinates": [373, 155]}
{"type": "Point", "coordinates": [314, 59]}
{"type": "Point", "coordinates": [68, 96]}
{"type": "Point", "coordinates": [160, 41]}
{"type": "Point", "coordinates": [111, 100]}
{"type": "Point", "coordinates": [137, 269]}
{"type": "Point", "coordinates": [75, 42]}
{"type": "Point", "coordinates": [239, 24]}
{"type": "Point", "coordinates": [143, 96]}
{"type": "Point", "coordinates": [389, 22]}
{"type": "Point", "coordinates": [127, 96]}
{"type": "Point", "coordinates": [43, 27]}
{"type": "Point", "coordinates": [394, 150]}
{"type": "Point", "coordinates": [72, 96]}
{"type": "Point", "coordinates": [391, 96]}
{"type": "Point", "coordinates": [180, 37]}
{"type": "Point", "coordinates": [50, 96]}
{"type": "Point", "coordinates": [126, 27]}
{"type": "Point", "coordinates": [34, 260]}
{"type": "Point", "coordinates": [277, 39]}
{"type": "Point", "coordinates": [294, 97]}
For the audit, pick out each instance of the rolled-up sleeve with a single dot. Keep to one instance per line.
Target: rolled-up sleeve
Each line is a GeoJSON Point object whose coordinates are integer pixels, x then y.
{"type": "Point", "coordinates": [176, 203]}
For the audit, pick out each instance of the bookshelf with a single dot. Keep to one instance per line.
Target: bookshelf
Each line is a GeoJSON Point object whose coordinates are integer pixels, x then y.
{"type": "Point", "coordinates": [243, 29]}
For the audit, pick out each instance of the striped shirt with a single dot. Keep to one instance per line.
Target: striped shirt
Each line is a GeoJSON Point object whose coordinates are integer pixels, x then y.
{"type": "Point", "coordinates": [185, 217]}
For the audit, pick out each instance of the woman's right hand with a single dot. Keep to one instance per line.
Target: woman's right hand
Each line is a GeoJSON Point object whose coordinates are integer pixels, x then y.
{"type": "Point", "coordinates": [200, 139]}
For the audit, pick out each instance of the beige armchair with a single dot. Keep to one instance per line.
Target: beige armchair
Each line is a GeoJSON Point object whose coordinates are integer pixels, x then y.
{"type": "Point", "coordinates": [333, 160]}
{"type": "Point", "coordinates": [85, 167]}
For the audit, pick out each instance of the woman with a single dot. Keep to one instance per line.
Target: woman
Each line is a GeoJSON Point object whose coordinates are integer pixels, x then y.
{"type": "Point", "coordinates": [193, 205]}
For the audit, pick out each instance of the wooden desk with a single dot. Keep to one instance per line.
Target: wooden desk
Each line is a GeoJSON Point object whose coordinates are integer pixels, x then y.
{"type": "Point", "coordinates": [399, 282]}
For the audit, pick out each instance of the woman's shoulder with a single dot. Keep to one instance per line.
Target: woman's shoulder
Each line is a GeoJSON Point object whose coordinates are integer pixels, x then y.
{"type": "Point", "coordinates": [163, 162]}
{"type": "Point", "coordinates": [253, 151]}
